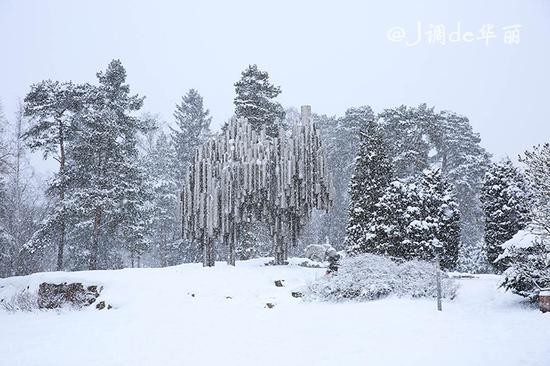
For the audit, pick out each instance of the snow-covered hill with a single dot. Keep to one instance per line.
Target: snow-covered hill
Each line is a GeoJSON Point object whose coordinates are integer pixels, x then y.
{"type": "Point", "coordinates": [190, 315]}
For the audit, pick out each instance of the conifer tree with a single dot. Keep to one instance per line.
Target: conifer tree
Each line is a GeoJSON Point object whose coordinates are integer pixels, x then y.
{"type": "Point", "coordinates": [527, 256]}
{"type": "Point", "coordinates": [341, 138]}
{"type": "Point", "coordinates": [192, 130]}
{"type": "Point", "coordinates": [505, 204]}
{"type": "Point", "coordinates": [417, 218]}
{"type": "Point", "coordinates": [105, 178]}
{"type": "Point", "coordinates": [52, 106]}
{"type": "Point", "coordinates": [158, 164]}
{"type": "Point", "coordinates": [254, 100]}
{"type": "Point", "coordinates": [463, 164]}
{"type": "Point", "coordinates": [406, 130]}
{"type": "Point", "coordinates": [441, 213]}
{"type": "Point", "coordinates": [372, 174]}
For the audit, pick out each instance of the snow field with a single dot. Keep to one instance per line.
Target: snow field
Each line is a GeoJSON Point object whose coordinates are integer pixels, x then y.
{"type": "Point", "coordinates": [157, 321]}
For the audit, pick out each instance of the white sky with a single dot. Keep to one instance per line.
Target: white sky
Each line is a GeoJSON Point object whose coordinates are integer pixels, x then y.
{"type": "Point", "coordinates": [332, 55]}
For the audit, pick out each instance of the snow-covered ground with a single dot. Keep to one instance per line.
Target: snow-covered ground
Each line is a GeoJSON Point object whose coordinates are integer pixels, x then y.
{"type": "Point", "coordinates": [157, 321]}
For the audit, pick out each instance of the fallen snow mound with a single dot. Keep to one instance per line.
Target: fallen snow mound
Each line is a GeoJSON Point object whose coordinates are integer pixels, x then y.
{"type": "Point", "coordinates": [371, 277]}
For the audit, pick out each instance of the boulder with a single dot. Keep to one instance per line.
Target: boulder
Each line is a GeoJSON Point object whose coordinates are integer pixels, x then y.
{"type": "Point", "coordinates": [53, 296]}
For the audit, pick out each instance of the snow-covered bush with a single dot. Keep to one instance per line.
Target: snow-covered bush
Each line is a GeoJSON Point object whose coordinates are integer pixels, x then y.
{"type": "Point", "coordinates": [370, 277]}
{"type": "Point", "coordinates": [527, 256]}
{"type": "Point", "coordinates": [24, 300]}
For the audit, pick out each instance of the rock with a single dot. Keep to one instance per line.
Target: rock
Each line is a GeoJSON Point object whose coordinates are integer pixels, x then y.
{"type": "Point", "coordinates": [297, 294]}
{"type": "Point", "coordinates": [109, 307]}
{"type": "Point", "coordinates": [269, 305]}
{"type": "Point", "coordinates": [53, 296]}
{"type": "Point", "coordinates": [318, 252]}
{"type": "Point", "coordinates": [273, 263]}
{"type": "Point", "coordinates": [100, 305]}
{"type": "Point", "coordinates": [279, 283]}
{"type": "Point", "coordinates": [544, 301]}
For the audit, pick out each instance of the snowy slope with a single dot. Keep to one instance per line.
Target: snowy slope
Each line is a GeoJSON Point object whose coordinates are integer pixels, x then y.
{"type": "Point", "coordinates": [156, 321]}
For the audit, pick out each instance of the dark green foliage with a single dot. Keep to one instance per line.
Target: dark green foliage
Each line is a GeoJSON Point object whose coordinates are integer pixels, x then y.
{"type": "Point", "coordinates": [254, 100]}
{"type": "Point", "coordinates": [372, 174]}
{"type": "Point", "coordinates": [506, 205]}
{"type": "Point", "coordinates": [192, 130]}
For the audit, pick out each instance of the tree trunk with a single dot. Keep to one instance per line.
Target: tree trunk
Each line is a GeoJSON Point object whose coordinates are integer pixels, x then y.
{"type": "Point", "coordinates": [208, 252]}
{"type": "Point", "coordinates": [61, 243]}
{"type": "Point", "coordinates": [163, 250]}
{"type": "Point", "coordinates": [232, 240]}
{"type": "Point", "coordinates": [95, 240]}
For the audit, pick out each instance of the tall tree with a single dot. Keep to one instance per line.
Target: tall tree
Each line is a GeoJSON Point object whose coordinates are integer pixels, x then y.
{"type": "Point", "coordinates": [417, 218]}
{"type": "Point", "coordinates": [372, 174]}
{"type": "Point", "coordinates": [528, 255]}
{"type": "Point", "coordinates": [165, 236]}
{"type": "Point", "coordinates": [255, 100]}
{"type": "Point", "coordinates": [505, 200]}
{"type": "Point", "coordinates": [464, 163]}
{"type": "Point", "coordinates": [341, 141]}
{"type": "Point", "coordinates": [192, 130]}
{"type": "Point", "coordinates": [441, 212]}
{"type": "Point", "coordinates": [537, 174]}
{"type": "Point", "coordinates": [406, 130]}
{"type": "Point", "coordinates": [52, 105]}
{"type": "Point", "coordinates": [421, 138]}
{"type": "Point", "coordinates": [105, 177]}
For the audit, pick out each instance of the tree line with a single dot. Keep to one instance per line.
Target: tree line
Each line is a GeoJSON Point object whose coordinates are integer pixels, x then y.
{"type": "Point", "coordinates": [409, 182]}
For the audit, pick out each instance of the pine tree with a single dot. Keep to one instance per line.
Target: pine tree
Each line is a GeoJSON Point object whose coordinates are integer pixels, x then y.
{"type": "Point", "coordinates": [158, 164]}
{"type": "Point", "coordinates": [442, 214]}
{"type": "Point", "coordinates": [422, 138]}
{"type": "Point", "coordinates": [505, 204]}
{"type": "Point", "coordinates": [105, 178]}
{"type": "Point", "coordinates": [406, 130]}
{"type": "Point", "coordinates": [341, 138]}
{"type": "Point", "coordinates": [464, 163]}
{"type": "Point", "coordinates": [52, 106]}
{"type": "Point", "coordinates": [397, 230]}
{"type": "Point", "coordinates": [537, 175]}
{"type": "Point", "coordinates": [254, 100]}
{"type": "Point", "coordinates": [527, 256]}
{"type": "Point", "coordinates": [192, 130]}
{"type": "Point", "coordinates": [372, 174]}
{"type": "Point", "coordinates": [417, 218]}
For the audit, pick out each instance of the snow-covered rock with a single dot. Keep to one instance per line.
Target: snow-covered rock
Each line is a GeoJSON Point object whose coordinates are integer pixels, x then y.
{"type": "Point", "coordinates": [318, 252]}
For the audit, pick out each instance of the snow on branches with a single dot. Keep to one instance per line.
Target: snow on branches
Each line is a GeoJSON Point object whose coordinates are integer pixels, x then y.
{"type": "Point", "coordinates": [243, 175]}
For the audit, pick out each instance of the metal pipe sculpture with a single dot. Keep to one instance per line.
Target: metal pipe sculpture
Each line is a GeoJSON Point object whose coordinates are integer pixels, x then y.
{"type": "Point", "coordinates": [243, 175]}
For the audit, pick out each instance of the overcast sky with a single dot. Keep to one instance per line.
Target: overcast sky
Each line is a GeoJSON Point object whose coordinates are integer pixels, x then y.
{"type": "Point", "coordinates": [332, 55]}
